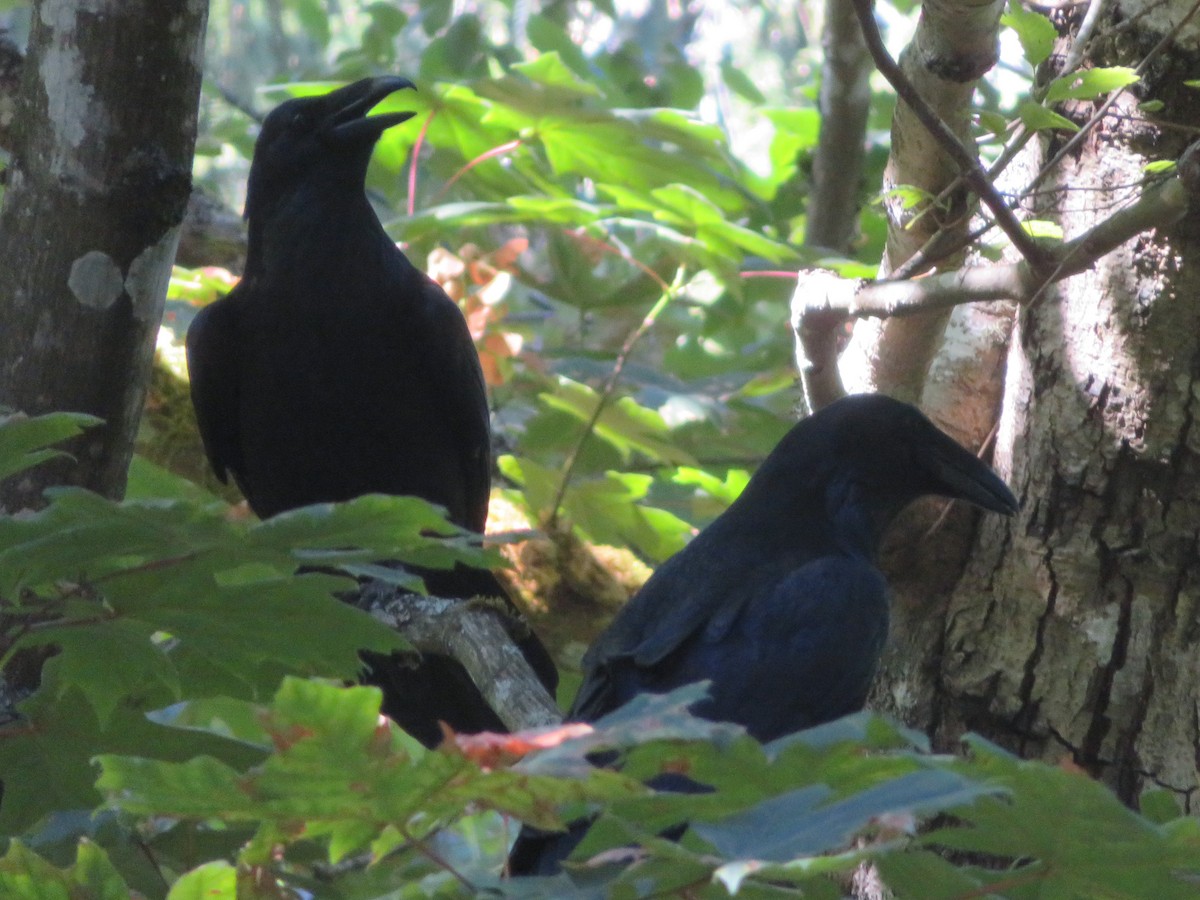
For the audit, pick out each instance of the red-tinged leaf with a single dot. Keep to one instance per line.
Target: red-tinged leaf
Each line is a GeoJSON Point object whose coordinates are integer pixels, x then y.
{"type": "Point", "coordinates": [489, 749]}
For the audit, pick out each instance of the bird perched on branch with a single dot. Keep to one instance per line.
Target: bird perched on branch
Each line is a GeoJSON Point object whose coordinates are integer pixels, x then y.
{"type": "Point", "coordinates": [335, 369]}
{"type": "Point", "coordinates": [779, 602]}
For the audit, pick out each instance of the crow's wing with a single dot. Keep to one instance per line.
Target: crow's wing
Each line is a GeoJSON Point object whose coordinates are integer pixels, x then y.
{"type": "Point", "coordinates": [452, 361]}
{"type": "Point", "coordinates": [212, 357]}
{"type": "Point", "coordinates": [801, 651]}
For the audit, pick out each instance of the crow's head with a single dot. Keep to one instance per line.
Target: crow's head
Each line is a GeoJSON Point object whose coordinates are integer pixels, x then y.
{"type": "Point", "coordinates": [862, 459]}
{"type": "Point", "coordinates": [322, 141]}
{"type": "Point", "coordinates": [892, 452]}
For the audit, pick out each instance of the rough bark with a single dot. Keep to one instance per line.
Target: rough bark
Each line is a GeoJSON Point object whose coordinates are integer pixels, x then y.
{"type": "Point", "coordinates": [102, 145]}
{"type": "Point", "coordinates": [213, 234]}
{"type": "Point", "coordinates": [1074, 630]}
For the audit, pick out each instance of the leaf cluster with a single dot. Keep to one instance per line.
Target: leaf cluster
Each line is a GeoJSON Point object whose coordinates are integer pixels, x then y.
{"type": "Point", "coordinates": [123, 608]}
{"type": "Point", "coordinates": [219, 775]}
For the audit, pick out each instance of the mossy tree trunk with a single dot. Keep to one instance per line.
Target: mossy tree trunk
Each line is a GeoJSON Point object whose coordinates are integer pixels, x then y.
{"type": "Point", "coordinates": [99, 180]}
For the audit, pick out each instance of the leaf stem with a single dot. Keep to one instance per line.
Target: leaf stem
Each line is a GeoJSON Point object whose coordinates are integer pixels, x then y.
{"type": "Point", "coordinates": [412, 164]}
{"type": "Point", "coordinates": [483, 157]}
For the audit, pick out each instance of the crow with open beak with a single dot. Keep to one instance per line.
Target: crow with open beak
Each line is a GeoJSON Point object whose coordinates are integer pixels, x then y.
{"type": "Point", "coordinates": [336, 369]}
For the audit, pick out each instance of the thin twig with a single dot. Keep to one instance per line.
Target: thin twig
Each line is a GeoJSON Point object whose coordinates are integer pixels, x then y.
{"type": "Point", "coordinates": [481, 158]}
{"type": "Point", "coordinates": [580, 234]}
{"type": "Point", "coordinates": [668, 294]}
{"type": "Point", "coordinates": [915, 266]}
{"type": "Point", "coordinates": [436, 858]}
{"type": "Point", "coordinates": [240, 104]}
{"type": "Point", "coordinates": [768, 273]}
{"type": "Point", "coordinates": [996, 888]}
{"type": "Point", "coordinates": [1090, 20]}
{"type": "Point", "coordinates": [949, 504]}
{"type": "Point", "coordinates": [1158, 207]}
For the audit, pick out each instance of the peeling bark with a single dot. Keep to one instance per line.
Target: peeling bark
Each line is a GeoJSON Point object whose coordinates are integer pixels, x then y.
{"type": "Point", "coordinates": [101, 146]}
{"type": "Point", "coordinates": [481, 637]}
{"type": "Point", "coordinates": [954, 45]}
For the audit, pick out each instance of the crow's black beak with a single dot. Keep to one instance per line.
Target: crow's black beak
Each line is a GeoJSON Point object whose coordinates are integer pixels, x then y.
{"type": "Point", "coordinates": [960, 474]}
{"type": "Point", "coordinates": [348, 121]}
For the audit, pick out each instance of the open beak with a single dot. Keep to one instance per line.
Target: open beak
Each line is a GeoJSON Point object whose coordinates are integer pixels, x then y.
{"type": "Point", "coordinates": [348, 121]}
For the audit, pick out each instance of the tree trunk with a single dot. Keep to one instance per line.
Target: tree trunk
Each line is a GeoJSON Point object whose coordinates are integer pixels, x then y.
{"type": "Point", "coordinates": [954, 46]}
{"type": "Point", "coordinates": [845, 103]}
{"type": "Point", "coordinates": [1074, 631]}
{"type": "Point", "coordinates": [100, 176]}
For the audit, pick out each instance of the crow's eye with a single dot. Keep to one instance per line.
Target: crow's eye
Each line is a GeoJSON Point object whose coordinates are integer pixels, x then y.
{"type": "Point", "coordinates": [299, 119]}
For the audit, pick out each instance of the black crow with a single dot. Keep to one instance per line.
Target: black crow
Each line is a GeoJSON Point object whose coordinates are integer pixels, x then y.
{"type": "Point", "coordinates": [335, 369]}
{"type": "Point", "coordinates": [779, 602]}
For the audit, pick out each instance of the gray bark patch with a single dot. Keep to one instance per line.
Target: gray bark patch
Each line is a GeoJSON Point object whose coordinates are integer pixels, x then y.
{"type": "Point", "coordinates": [96, 280]}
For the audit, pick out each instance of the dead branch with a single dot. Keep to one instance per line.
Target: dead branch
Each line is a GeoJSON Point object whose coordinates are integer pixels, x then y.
{"type": "Point", "coordinates": [478, 635]}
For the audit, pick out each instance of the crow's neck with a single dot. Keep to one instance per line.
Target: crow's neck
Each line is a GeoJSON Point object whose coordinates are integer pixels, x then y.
{"type": "Point", "coordinates": [859, 518]}
{"type": "Point", "coordinates": [312, 223]}
{"type": "Point", "coordinates": [827, 513]}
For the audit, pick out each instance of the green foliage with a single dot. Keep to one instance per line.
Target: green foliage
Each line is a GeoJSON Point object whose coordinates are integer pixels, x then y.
{"type": "Point", "coordinates": [26, 876]}
{"type": "Point", "coordinates": [25, 441]}
{"type": "Point", "coordinates": [799, 812]}
{"type": "Point", "coordinates": [148, 602]}
{"type": "Point", "coordinates": [194, 658]}
{"type": "Point", "coordinates": [599, 157]}
{"type": "Point", "coordinates": [1114, 853]}
{"type": "Point", "coordinates": [173, 630]}
{"type": "Point", "coordinates": [1036, 117]}
{"type": "Point", "coordinates": [1090, 83]}
{"type": "Point", "coordinates": [1035, 32]}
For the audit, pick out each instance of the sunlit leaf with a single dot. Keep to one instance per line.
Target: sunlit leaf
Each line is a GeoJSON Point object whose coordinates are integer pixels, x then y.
{"type": "Point", "coordinates": [1036, 117]}
{"type": "Point", "coordinates": [1090, 83]}
{"type": "Point", "coordinates": [1035, 31]}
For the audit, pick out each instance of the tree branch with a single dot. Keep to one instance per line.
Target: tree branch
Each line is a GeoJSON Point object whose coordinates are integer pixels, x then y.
{"type": "Point", "coordinates": [823, 300]}
{"type": "Point", "coordinates": [815, 320]}
{"type": "Point", "coordinates": [968, 166]}
{"type": "Point", "coordinates": [845, 103]}
{"type": "Point", "coordinates": [12, 64]}
{"type": "Point", "coordinates": [478, 635]}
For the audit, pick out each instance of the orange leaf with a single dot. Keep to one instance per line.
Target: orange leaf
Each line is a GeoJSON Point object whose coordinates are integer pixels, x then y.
{"type": "Point", "coordinates": [489, 748]}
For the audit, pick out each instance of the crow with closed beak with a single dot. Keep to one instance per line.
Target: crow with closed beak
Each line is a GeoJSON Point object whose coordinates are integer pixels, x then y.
{"type": "Point", "coordinates": [779, 602]}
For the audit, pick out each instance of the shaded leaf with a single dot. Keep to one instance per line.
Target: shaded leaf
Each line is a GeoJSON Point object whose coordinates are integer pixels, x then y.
{"type": "Point", "coordinates": [801, 823]}
{"type": "Point", "coordinates": [24, 440]}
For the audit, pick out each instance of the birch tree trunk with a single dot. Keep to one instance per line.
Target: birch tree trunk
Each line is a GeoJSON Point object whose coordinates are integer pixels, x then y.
{"type": "Point", "coordinates": [955, 45]}
{"type": "Point", "coordinates": [101, 172]}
